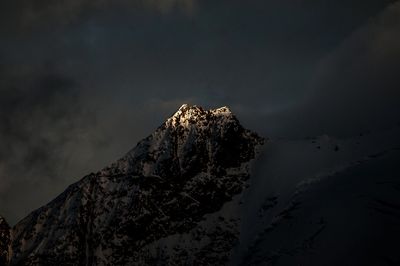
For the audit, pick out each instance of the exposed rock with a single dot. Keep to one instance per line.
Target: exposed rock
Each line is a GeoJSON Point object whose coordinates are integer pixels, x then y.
{"type": "Point", "coordinates": [159, 204]}
{"type": "Point", "coordinates": [4, 241]}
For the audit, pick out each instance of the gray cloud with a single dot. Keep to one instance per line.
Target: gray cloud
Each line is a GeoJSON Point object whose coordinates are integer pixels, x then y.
{"type": "Point", "coordinates": [41, 115]}
{"type": "Point", "coordinates": [352, 89]}
{"type": "Point", "coordinates": [357, 86]}
{"type": "Point", "coordinates": [83, 81]}
{"type": "Point", "coordinates": [28, 15]}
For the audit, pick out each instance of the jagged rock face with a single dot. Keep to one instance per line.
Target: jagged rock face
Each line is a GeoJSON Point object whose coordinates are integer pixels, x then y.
{"type": "Point", "coordinates": [156, 205]}
{"type": "Point", "coordinates": [4, 241]}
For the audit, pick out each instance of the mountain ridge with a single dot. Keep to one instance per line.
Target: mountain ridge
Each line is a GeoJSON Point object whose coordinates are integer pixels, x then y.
{"type": "Point", "coordinates": [192, 165]}
{"type": "Point", "coordinates": [4, 241]}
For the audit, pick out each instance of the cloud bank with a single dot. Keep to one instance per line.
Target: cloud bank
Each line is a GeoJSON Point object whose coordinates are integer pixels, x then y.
{"type": "Point", "coordinates": [27, 14]}
{"type": "Point", "coordinates": [82, 81]}
{"type": "Point", "coordinates": [353, 89]}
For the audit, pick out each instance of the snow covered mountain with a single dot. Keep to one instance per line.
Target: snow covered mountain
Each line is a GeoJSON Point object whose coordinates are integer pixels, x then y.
{"type": "Point", "coordinates": [323, 201]}
{"type": "Point", "coordinates": [159, 204]}
{"type": "Point", "coordinates": [191, 194]}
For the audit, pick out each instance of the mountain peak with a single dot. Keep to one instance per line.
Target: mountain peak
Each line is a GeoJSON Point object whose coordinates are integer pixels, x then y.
{"type": "Point", "coordinates": [185, 106]}
{"type": "Point", "coordinates": [187, 109]}
{"type": "Point", "coordinates": [193, 114]}
{"type": "Point", "coordinates": [166, 186]}
{"type": "Point", "coordinates": [195, 109]}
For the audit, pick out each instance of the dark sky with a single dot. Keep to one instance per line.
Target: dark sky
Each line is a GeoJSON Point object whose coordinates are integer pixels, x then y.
{"type": "Point", "coordinates": [82, 81]}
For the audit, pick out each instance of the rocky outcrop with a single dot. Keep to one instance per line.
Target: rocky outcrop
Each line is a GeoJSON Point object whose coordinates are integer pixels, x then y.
{"type": "Point", "coordinates": [159, 204]}
{"type": "Point", "coordinates": [4, 241]}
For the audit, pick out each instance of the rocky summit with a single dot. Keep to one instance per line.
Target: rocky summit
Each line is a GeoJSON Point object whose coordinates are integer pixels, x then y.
{"type": "Point", "coordinates": [168, 201]}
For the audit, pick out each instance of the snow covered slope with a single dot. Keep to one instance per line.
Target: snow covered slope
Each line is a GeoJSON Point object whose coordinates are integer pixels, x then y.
{"type": "Point", "coordinates": [323, 201]}
{"type": "Point", "coordinates": [166, 190]}
{"type": "Point", "coordinates": [191, 194]}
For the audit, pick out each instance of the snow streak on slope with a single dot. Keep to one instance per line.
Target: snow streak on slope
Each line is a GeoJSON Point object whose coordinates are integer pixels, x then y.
{"type": "Point", "coordinates": [131, 212]}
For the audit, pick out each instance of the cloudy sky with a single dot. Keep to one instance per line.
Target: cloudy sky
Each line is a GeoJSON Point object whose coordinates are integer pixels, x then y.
{"type": "Point", "coordinates": [82, 81]}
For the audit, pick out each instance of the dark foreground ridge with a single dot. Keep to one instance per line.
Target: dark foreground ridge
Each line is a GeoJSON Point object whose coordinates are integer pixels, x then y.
{"type": "Point", "coordinates": [158, 205]}
{"type": "Point", "coordinates": [4, 240]}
